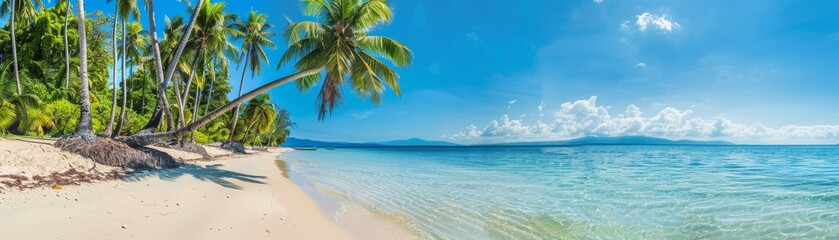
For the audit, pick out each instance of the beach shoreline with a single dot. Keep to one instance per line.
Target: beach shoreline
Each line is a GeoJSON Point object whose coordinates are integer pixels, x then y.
{"type": "Point", "coordinates": [361, 221]}
{"type": "Point", "coordinates": [233, 197]}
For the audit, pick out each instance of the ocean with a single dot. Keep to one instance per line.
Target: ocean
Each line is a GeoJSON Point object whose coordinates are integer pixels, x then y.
{"type": "Point", "coordinates": [587, 192]}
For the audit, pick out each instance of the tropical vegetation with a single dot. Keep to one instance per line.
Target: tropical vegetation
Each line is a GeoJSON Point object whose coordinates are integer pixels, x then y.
{"type": "Point", "coordinates": [70, 73]}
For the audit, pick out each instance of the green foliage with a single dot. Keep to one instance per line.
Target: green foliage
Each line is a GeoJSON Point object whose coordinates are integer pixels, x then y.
{"type": "Point", "coordinates": [46, 107]}
{"type": "Point", "coordinates": [340, 44]}
{"type": "Point", "coordinates": [65, 115]}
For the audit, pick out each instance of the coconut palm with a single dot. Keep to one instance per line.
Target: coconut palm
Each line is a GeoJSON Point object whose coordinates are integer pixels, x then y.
{"type": "Point", "coordinates": [257, 35]}
{"type": "Point", "coordinates": [25, 11]}
{"type": "Point", "coordinates": [133, 45]}
{"type": "Point", "coordinates": [337, 47]}
{"type": "Point", "coordinates": [162, 107]}
{"type": "Point", "coordinates": [125, 9]}
{"type": "Point", "coordinates": [66, 45]}
{"type": "Point", "coordinates": [85, 127]}
{"type": "Point", "coordinates": [260, 114]}
{"type": "Point", "coordinates": [212, 33]}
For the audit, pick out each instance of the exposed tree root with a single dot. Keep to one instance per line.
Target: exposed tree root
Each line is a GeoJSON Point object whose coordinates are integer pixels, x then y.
{"type": "Point", "coordinates": [113, 153]}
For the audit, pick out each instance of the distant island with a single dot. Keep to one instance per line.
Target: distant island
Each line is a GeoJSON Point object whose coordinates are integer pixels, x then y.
{"type": "Point", "coordinates": [418, 142]}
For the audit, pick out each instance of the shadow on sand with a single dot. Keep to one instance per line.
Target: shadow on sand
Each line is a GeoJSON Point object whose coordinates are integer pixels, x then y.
{"type": "Point", "coordinates": [212, 172]}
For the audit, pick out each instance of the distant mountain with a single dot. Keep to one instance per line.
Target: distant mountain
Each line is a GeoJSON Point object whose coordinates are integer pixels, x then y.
{"type": "Point", "coordinates": [416, 142]}
{"type": "Point", "coordinates": [296, 142]}
{"type": "Point", "coordinates": [624, 140]}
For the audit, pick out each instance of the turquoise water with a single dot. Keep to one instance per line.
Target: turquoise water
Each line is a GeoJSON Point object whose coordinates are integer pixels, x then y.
{"type": "Point", "coordinates": [589, 192]}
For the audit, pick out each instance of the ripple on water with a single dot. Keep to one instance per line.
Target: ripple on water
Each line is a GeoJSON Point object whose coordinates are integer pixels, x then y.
{"type": "Point", "coordinates": [602, 192]}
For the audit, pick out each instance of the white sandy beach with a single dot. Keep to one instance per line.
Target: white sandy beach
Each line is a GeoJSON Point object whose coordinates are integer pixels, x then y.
{"type": "Point", "coordinates": [236, 197]}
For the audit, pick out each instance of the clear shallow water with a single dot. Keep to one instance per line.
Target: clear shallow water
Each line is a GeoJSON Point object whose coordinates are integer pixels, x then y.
{"type": "Point", "coordinates": [590, 192]}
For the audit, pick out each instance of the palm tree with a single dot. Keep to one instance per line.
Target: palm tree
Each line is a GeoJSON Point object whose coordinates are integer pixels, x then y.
{"type": "Point", "coordinates": [257, 34]}
{"type": "Point", "coordinates": [213, 29]}
{"type": "Point", "coordinates": [14, 107]}
{"type": "Point", "coordinates": [338, 46]}
{"type": "Point", "coordinates": [133, 45]}
{"type": "Point", "coordinates": [66, 46]}
{"type": "Point", "coordinates": [124, 10]}
{"type": "Point", "coordinates": [163, 80]}
{"type": "Point", "coordinates": [26, 10]}
{"type": "Point", "coordinates": [85, 127]}
{"type": "Point", "coordinates": [260, 113]}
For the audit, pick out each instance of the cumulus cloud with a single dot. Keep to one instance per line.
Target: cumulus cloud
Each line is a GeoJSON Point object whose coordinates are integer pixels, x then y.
{"type": "Point", "coordinates": [641, 65]}
{"type": "Point", "coordinates": [661, 22]}
{"type": "Point", "coordinates": [586, 118]}
{"type": "Point", "coordinates": [541, 107]}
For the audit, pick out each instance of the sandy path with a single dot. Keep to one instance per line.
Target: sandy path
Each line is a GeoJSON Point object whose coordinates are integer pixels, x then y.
{"type": "Point", "coordinates": [243, 197]}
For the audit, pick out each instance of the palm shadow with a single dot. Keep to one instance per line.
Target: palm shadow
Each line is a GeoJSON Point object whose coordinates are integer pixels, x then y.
{"type": "Point", "coordinates": [213, 173]}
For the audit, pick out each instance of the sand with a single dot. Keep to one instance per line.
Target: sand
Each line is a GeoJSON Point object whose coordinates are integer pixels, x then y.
{"type": "Point", "coordinates": [238, 197]}
{"type": "Point", "coordinates": [37, 157]}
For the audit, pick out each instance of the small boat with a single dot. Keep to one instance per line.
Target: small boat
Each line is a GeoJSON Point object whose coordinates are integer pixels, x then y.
{"type": "Point", "coordinates": [305, 148]}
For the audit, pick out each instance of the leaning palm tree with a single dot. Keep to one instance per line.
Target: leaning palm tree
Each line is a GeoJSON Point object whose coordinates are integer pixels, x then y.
{"type": "Point", "coordinates": [25, 11]}
{"type": "Point", "coordinates": [337, 47]}
{"type": "Point", "coordinates": [133, 45]}
{"type": "Point", "coordinates": [257, 35]}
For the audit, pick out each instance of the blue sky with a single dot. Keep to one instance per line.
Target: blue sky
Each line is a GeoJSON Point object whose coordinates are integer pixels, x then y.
{"type": "Point", "coordinates": [497, 71]}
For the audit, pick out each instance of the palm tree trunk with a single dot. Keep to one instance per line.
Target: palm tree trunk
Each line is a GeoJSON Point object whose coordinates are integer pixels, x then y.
{"type": "Point", "coordinates": [14, 47]}
{"type": "Point", "coordinates": [212, 83]}
{"type": "Point", "coordinates": [66, 49]}
{"type": "Point", "coordinates": [124, 84]}
{"type": "Point", "coordinates": [85, 128]}
{"type": "Point", "coordinates": [210, 93]}
{"type": "Point", "coordinates": [109, 129]}
{"type": "Point", "coordinates": [124, 101]}
{"type": "Point", "coordinates": [163, 80]}
{"type": "Point", "coordinates": [143, 100]}
{"type": "Point", "coordinates": [146, 139]}
{"type": "Point", "coordinates": [189, 82]}
{"type": "Point", "coordinates": [176, 84]}
{"type": "Point", "coordinates": [247, 132]}
{"type": "Point", "coordinates": [195, 108]}
{"type": "Point", "coordinates": [241, 83]}
{"type": "Point", "coordinates": [162, 103]}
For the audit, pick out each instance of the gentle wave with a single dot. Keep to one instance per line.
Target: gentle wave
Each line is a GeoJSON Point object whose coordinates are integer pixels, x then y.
{"type": "Point", "coordinates": [599, 192]}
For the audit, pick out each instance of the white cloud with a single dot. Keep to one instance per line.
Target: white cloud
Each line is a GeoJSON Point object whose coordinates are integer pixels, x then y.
{"type": "Point", "coordinates": [362, 115]}
{"type": "Point", "coordinates": [661, 22]}
{"type": "Point", "coordinates": [625, 26]}
{"type": "Point", "coordinates": [541, 107]}
{"type": "Point", "coordinates": [510, 105]}
{"type": "Point", "coordinates": [585, 118]}
{"type": "Point", "coordinates": [598, 1]}
{"type": "Point", "coordinates": [641, 65]}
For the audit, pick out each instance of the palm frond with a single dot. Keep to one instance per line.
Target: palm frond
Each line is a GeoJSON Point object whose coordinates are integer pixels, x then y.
{"type": "Point", "coordinates": [388, 48]}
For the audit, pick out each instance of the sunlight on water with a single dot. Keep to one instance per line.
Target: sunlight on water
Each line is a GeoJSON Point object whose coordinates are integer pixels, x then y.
{"type": "Point", "coordinates": [602, 192]}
